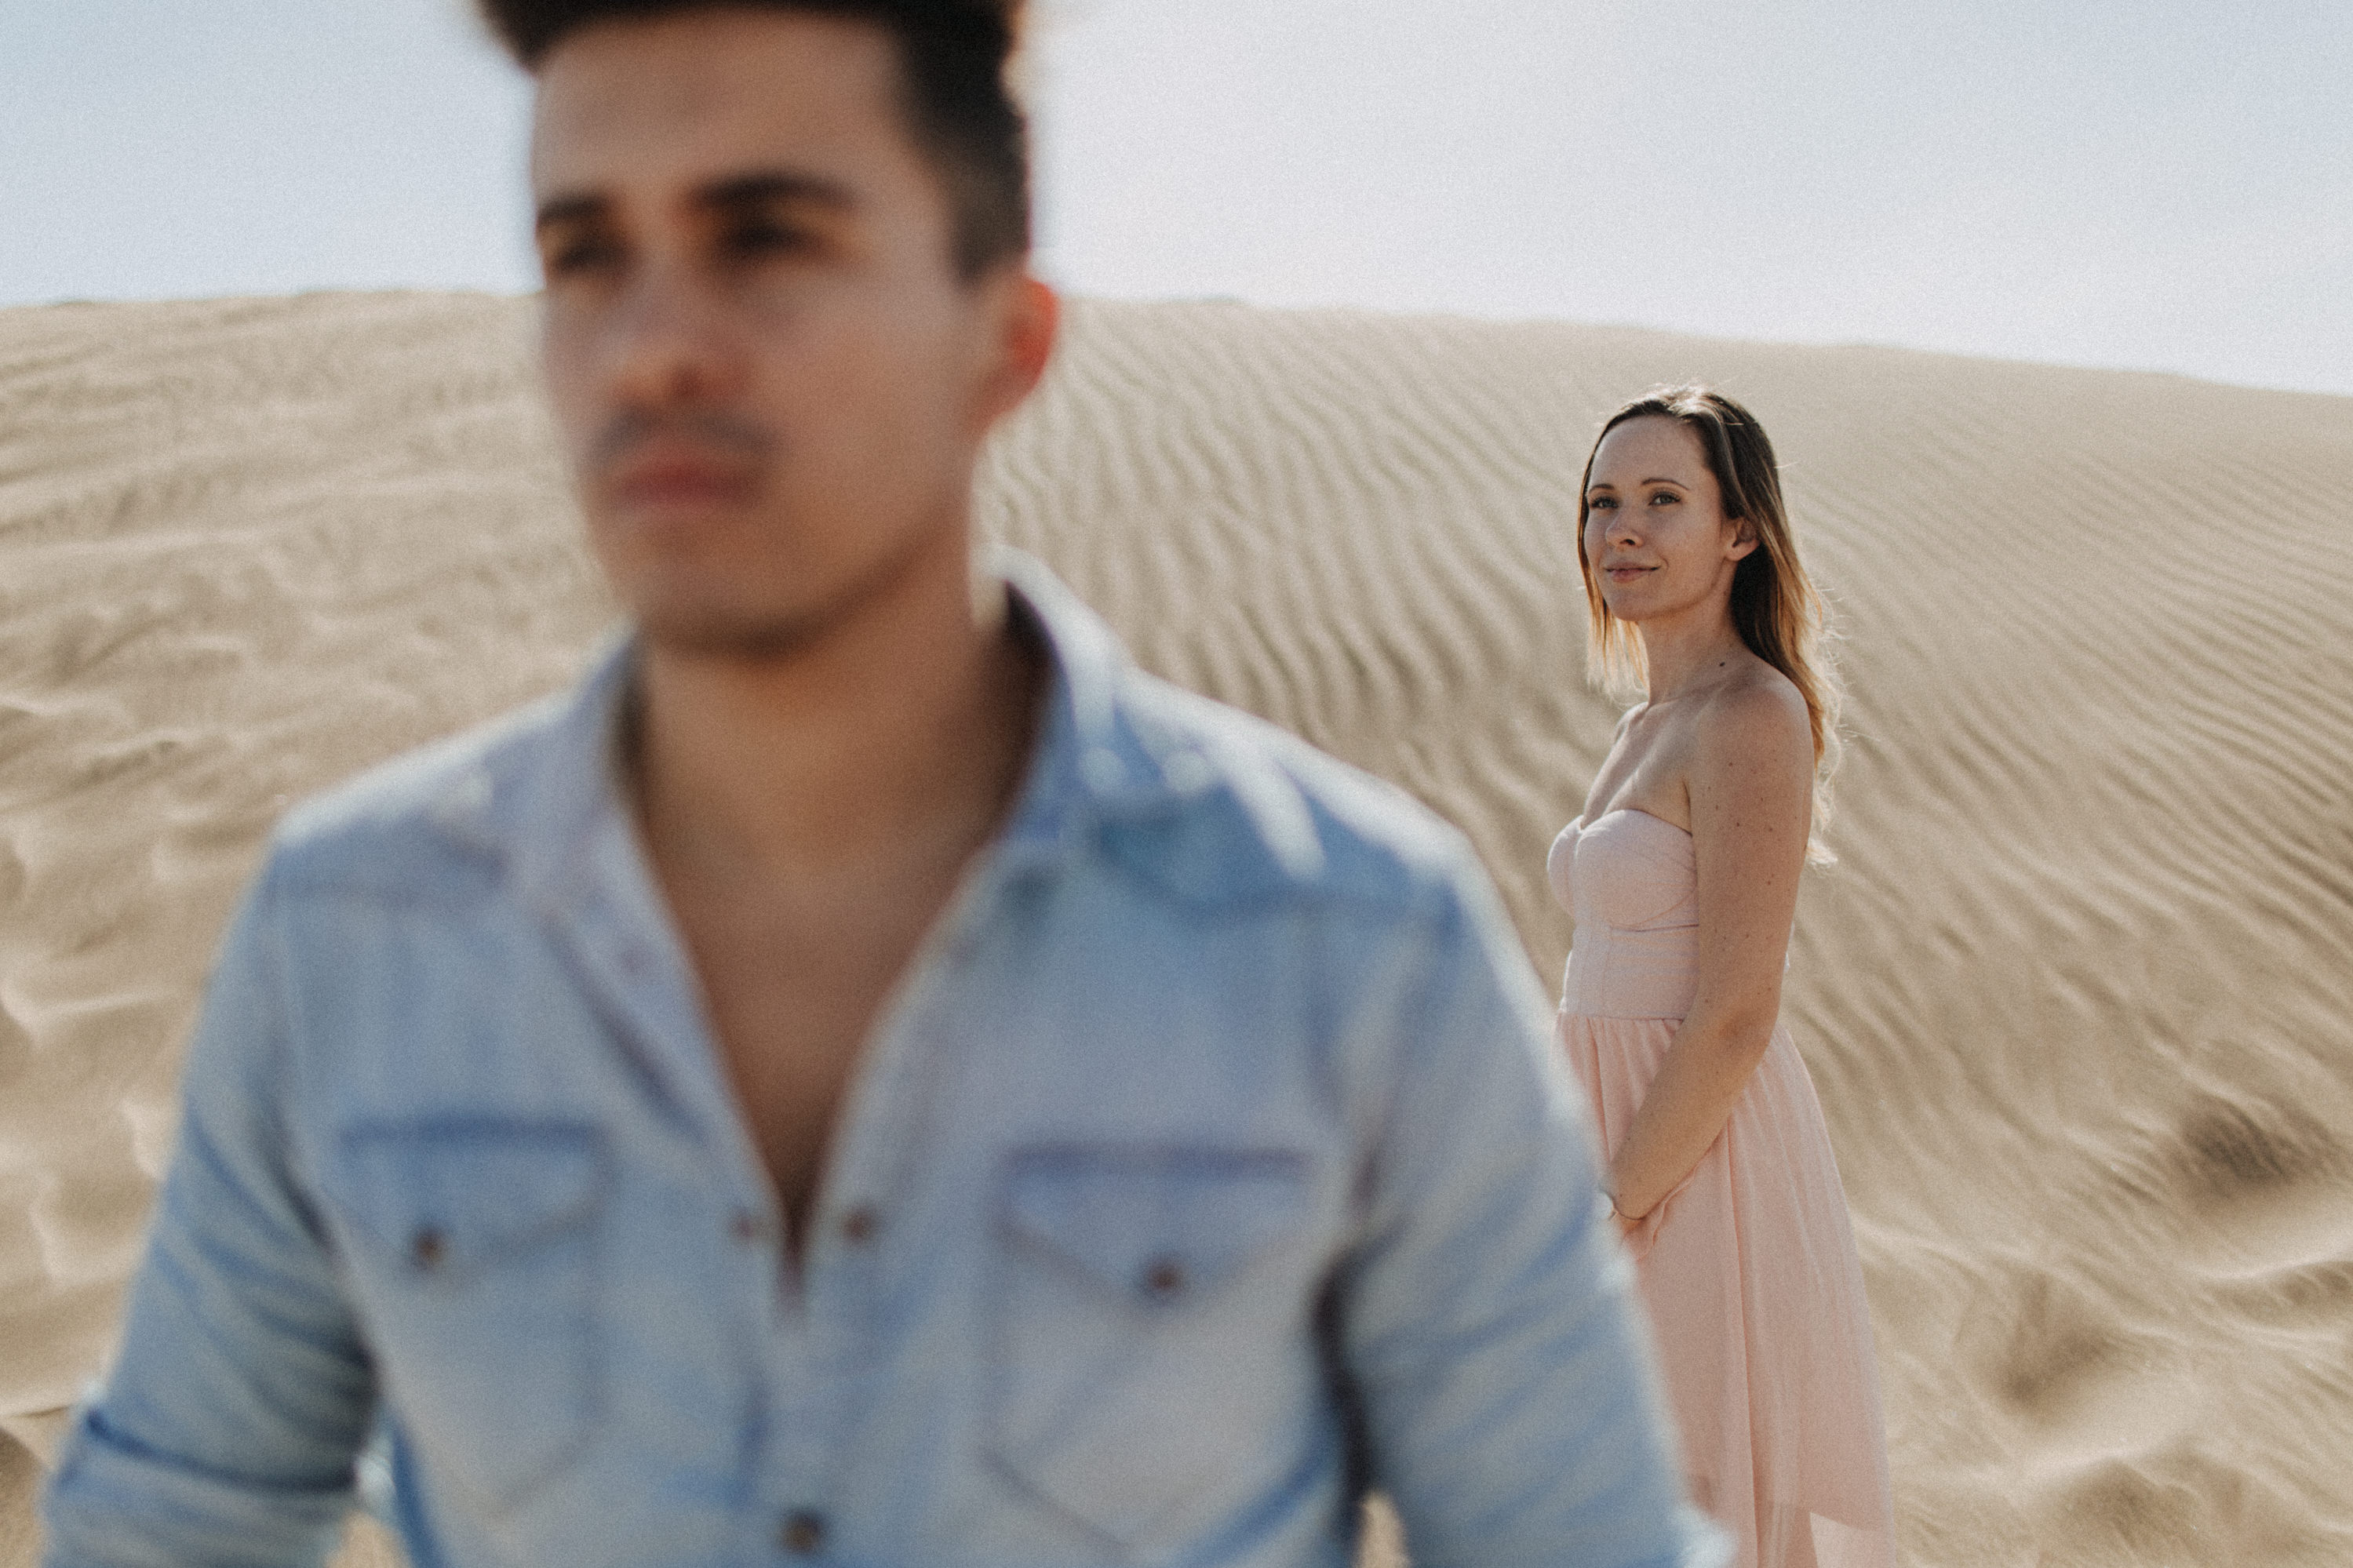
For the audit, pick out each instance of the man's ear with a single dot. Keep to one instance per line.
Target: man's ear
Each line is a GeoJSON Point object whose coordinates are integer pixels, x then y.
{"type": "Point", "coordinates": [1026, 315]}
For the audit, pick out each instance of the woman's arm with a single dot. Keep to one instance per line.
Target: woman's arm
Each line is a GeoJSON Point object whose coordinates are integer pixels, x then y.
{"type": "Point", "coordinates": [1751, 783]}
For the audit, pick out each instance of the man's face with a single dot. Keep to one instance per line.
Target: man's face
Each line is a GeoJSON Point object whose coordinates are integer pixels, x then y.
{"type": "Point", "coordinates": [772, 381]}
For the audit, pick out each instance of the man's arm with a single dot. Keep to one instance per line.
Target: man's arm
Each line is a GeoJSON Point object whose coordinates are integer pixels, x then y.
{"type": "Point", "coordinates": [1489, 1323]}
{"type": "Point", "coordinates": [226, 1431]}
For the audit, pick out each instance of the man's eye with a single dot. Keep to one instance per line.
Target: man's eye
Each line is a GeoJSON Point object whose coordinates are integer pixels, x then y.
{"type": "Point", "coordinates": [580, 255]}
{"type": "Point", "coordinates": [765, 240]}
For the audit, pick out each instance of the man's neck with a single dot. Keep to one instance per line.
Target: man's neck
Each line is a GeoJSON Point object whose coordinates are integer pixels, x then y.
{"type": "Point", "coordinates": [899, 734]}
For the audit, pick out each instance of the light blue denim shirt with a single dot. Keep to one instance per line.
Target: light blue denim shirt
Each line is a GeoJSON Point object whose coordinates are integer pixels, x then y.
{"type": "Point", "coordinates": [1209, 1163]}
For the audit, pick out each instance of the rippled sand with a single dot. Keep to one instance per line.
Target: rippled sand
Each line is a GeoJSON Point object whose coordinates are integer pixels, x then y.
{"type": "Point", "coordinates": [2077, 998]}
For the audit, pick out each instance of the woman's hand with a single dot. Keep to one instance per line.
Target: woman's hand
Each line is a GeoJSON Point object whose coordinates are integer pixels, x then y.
{"type": "Point", "coordinates": [1627, 1224]}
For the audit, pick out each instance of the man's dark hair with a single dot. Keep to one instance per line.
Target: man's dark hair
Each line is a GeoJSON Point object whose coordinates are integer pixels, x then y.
{"type": "Point", "coordinates": [953, 58]}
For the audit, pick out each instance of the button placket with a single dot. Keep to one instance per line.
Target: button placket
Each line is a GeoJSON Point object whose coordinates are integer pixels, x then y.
{"type": "Point", "coordinates": [1164, 1278]}
{"type": "Point", "coordinates": [820, 1359]}
{"type": "Point", "coordinates": [428, 1247]}
{"type": "Point", "coordinates": [803, 1533]}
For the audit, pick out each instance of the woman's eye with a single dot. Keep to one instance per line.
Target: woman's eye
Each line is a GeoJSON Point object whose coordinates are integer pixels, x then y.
{"type": "Point", "coordinates": [1663, 498]}
{"type": "Point", "coordinates": [1601, 503]}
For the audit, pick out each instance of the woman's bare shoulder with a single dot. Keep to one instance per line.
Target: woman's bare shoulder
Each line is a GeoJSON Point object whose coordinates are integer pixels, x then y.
{"type": "Point", "coordinates": [1757, 718]}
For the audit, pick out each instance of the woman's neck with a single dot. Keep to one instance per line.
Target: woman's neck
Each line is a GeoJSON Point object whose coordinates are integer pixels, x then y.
{"type": "Point", "coordinates": [1680, 652]}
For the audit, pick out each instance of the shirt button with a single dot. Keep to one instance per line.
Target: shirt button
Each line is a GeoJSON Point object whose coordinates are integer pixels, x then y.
{"type": "Point", "coordinates": [747, 1226]}
{"type": "Point", "coordinates": [1164, 1278]}
{"type": "Point", "coordinates": [426, 1249]}
{"type": "Point", "coordinates": [804, 1532]}
{"type": "Point", "coordinates": [859, 1226]}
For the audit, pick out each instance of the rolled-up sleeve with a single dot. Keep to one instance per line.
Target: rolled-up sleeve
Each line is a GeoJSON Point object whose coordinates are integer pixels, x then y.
{"type": "Point", "coordinates": [1489, 1323]}
{"type": "Point", "coordinates": [228, 1430]}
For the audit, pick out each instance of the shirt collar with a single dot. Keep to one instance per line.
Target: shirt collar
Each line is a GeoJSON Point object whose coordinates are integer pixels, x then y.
{"type": "Point", "coordinates": [1107, 758]}
{"type": "Point", "coordinates": [1092, 759]}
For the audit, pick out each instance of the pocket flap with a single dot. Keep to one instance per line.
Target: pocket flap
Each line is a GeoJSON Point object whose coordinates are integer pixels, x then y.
{"type": "Point", "coordinates": [453, 1193]}
{"type": "Point", "coordinates": [1157, 1225]}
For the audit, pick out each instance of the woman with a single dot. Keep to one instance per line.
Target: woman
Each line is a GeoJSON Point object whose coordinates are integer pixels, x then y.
{"type": "Point", "coordinates": [1683, 876]}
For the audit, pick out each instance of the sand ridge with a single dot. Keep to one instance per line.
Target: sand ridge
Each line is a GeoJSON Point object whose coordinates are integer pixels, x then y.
{"type": "Point", "coordinates": [2075, 997]}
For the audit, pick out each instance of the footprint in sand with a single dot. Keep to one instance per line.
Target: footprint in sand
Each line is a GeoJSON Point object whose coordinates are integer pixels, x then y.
{"type": "Point", "coordinates": [2110, 1418]}
{"type": "Point", "coordinates": [2270, 1190]}
{"type": "Point", "coordinates": [2085, 1387]}
{"type": "Point", "coordinates": [2179, 1507]}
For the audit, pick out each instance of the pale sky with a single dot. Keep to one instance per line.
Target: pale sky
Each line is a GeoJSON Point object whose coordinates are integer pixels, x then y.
{"type": "Point", "coordinates": [2159, 184]}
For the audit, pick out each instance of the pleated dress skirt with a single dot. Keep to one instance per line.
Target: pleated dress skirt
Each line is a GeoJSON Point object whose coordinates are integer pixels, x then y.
{"type": "Point", "coordinates": [1748, 1268]}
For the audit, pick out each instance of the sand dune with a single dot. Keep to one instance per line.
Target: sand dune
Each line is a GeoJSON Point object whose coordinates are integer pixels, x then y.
{"type": "Point", "coordinates": [2077, 998]}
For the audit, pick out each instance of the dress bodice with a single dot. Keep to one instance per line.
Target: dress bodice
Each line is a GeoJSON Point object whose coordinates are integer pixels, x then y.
{"type": "Point", "coordinates": [1631, 881]}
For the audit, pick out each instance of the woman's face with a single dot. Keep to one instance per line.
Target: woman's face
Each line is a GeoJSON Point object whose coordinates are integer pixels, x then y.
{"type": "Point", "coordinates": [1655, 532]}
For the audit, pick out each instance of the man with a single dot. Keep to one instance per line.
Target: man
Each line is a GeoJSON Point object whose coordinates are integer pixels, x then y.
{"type": "Point", "coordinates": [869, 1077]}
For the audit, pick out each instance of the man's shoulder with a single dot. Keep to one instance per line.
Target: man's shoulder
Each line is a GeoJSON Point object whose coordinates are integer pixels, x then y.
{"type": "Point", "coordinates": [1259, 814]}
{"type": "Point", "coordinates": [412, 821]}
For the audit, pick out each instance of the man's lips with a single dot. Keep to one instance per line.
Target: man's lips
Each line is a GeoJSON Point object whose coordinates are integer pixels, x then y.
{"type": "Point", "coordinates": [677, 477]}
{"type": "Point", "coordinates": [678, 459]}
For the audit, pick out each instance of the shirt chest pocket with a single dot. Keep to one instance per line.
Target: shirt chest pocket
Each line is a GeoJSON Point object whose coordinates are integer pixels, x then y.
{"type": "Point", "coordinates": [471, 1243]}
{"type": "Point", "coordinates": [1152, 1355]}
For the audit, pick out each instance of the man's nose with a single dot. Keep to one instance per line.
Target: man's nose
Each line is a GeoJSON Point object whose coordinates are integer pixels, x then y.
{"type": "Point", "coordinates": [668, 341]}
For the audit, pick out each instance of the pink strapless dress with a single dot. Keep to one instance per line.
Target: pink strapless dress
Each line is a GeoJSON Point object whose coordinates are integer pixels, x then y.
{"type": "Point", "coordinates": [1748, 1268]}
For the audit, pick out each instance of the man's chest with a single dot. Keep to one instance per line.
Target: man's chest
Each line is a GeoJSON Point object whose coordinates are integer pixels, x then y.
{"type": "Point", "coordinates": [1095, 1190]}
{"type": "Point", "coordinates": [791, 996]}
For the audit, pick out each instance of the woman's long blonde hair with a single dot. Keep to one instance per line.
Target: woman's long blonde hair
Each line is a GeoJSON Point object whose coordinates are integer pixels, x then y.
{"type": "Point", "coordinates": [1774, 607]}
